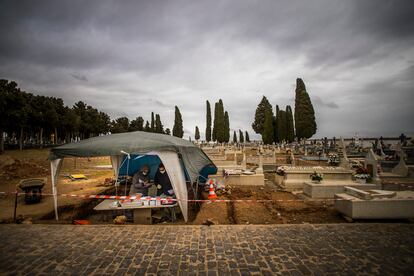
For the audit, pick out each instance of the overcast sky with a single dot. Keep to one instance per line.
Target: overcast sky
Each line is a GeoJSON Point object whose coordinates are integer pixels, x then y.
{"type": "Point", "coordinates": [129, 58]}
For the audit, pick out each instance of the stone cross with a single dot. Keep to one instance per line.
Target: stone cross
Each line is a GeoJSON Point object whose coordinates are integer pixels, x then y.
{"type": "Point", "coordinates": [381, 150]}
{"type": "Point", "coordinates": [401, 169]}
{"type": "Point", "coordinates": [371, 159]}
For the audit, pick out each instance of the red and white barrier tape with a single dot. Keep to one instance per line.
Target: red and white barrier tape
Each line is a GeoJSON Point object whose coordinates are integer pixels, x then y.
{"type": "Point", "coordinates": [162, 199]}
{"type": "Point", "coordinates": [177, 199]}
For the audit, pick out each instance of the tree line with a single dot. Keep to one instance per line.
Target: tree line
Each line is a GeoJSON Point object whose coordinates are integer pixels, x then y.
{"type": "Point", "coordinates": [218, 130]}
{"type": "Point", "coordinates": [283, 125]}
{"type": "Point", "coordinates": [242, 138]}
{"type": "Point", "coordinates": [30, 118]}
{"type": "Point", "coordinates": [155, 125]}
{"type": "Point", "coordinates": [36, 119]}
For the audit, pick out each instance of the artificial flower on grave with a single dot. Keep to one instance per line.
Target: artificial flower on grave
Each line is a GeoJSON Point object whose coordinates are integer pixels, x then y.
{"type": "Point", "coordinates": [362, 176]}
{"type": "Point", "coordinates": [318, 177]}
{"type": "Point", "coordinates": [281, 170]}
{"type": "Point", "coordinates": [333, 159]}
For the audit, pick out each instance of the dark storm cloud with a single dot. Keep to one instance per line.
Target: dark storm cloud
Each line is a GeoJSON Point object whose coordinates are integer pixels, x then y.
{"type": "Point", "coordinates": [79, 77]}
{"type": "Point", "coordinates": [132, 57]}
{"type": "Point", "coordinates": [389, 19]}
{"type": "Point", "coordinates": [159, 103]}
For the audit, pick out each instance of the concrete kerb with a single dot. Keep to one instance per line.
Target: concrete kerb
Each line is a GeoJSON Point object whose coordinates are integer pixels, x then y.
{"type": "Point", "coordinates": [307, 225]}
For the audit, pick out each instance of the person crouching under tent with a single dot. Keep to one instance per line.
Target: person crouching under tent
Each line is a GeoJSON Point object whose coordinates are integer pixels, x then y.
{"type": "Point", "coordinates": [163, 182]}
{"type": "Point", "coordinates": [141, 182]}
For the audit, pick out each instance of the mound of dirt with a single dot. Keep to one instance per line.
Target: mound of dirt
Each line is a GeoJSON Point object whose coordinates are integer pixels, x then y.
{"type": "Point", "coordinates": [6, 160]}
{"type": "Point", "coordinates": [11, 168]}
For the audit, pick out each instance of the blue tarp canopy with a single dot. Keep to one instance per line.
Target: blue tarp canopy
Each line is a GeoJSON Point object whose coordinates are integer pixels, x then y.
{"type": "Point", "coordinates": [137, 143]}
{"type": "Point", "coordinates": [131, 166]}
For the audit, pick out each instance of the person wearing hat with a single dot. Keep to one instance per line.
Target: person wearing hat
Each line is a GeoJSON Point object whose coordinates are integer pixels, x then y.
{"type": "Point", "coordinates": [163, 182]}
{"type": "Point", "coordinates": [141, 181]}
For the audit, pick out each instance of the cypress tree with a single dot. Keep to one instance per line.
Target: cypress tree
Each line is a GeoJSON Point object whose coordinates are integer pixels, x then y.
{"type": "Point", "coordinates": [290, 129]}
{"type": "Point", "coordinates": [281, 124]}
{"type": "Point", "coordinates": [178, 124]}
{"type": "Point", "coordinates": [247, 137]}
{"type": "Point", "coordinates": [152, 122]}
{"type": "Point", "coordinates": [159, 128]}
{"type": "Point", "coordinates": [241, 138]}
{"type": "Point", "coordinates": [259, 117]}
{"type": "Point", "coordinates": [197, 134]}
{"type": "Point", "coordinates": [215, 121]}
{"type": "Point", "coordinates": [234, 137]}
{"type": "Point", "coordinates": [226, 127]}
{"type": "Point", "coordinates": [268, 132]}
{"type": "Point", "coordinates": [219, 120]}
{"type": "Point", "coordinates": [275, 126]}
{"type": "Point", "coordinates": [305, 122]}
{"type": "Point", "coordinates": [208, 123]}
{"type": "Point", "coordinates": [221, 123]}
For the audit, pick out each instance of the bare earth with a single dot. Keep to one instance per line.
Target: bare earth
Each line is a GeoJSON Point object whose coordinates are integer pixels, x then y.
{"type": "Point", "coordinates": [17, 165]}
{"type": "Point", "coordinates": [285, 208]}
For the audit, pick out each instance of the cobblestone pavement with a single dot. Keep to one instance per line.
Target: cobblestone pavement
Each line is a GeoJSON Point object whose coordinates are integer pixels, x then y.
{"type": "Point", "coordinates": [383, 249]}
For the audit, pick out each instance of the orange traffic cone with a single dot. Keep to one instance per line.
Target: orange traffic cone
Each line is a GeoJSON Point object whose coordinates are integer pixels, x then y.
{"type": "Point", "coordinates": [211, 193]}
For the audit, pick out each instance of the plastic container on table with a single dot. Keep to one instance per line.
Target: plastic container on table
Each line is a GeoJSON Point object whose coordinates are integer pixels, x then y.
{"type": "Point", "coordinates": [145, 201]}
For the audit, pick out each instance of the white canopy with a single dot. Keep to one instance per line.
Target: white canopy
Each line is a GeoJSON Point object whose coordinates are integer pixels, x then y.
{"type": "Point", "coordinates": [169, 159]}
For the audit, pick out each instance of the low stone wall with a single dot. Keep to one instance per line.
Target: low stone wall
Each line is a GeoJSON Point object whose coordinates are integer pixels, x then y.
{"type": "Point", "coordinates": [295, 177]}
{"type": "Point", "coordinates": [326, 190]}
{"type": "Point", "coordinates": [224, 163]}
{"type": "Point", "coordinates": [300, 162]}
{"type": "Point", "coordinates": [240, 180]}
{"type": "Point", "coordinates": [398, 207]}
{"type": "Point", "coordinates": [269, 167]}
{"type": "Point", "coordinates": [265, 160]}
{"type": "Point", "coordinates": [215, 158]}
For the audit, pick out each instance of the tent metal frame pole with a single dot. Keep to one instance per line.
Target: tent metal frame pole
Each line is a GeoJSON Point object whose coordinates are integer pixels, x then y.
{"type": "Point", "coordinates": [117, 183]}
{"type": "Point", "coordinates": [127, 173]}
{"type": "Point", "coordinates": [196, 192]}
{"type": "Point", "coordinates": [54, 170]}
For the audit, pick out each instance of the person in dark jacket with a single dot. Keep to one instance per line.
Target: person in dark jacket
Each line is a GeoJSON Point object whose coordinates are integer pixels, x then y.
{"type": "Point", "coordinates": [141, 181]}
{"type": "Point", "coordinates": [163, 182]}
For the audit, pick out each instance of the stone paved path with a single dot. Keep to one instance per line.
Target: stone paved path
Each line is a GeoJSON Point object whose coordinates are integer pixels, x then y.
{"type": "Point", "coordinates": [349, 249]}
